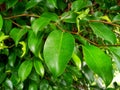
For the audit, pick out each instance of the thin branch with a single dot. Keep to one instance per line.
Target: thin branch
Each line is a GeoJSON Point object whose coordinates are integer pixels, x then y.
{"type": "Point", "coordinates": [21, 15]}
{"type": "Point", "coordinates": [17, 24]}
{"type": "Point", "coordinates": [105, 22]}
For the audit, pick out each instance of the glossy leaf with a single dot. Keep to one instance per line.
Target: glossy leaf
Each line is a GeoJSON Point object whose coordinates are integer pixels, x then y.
{"type": "Point", "coordinates": [103, 32]}
{"type": "Point", "coordinates": [39, 67]}
{"type": "Point", "coordinates": [76, 60]}
{"type": "Point", "coordinates": [16, 34]}
{"type": "Point", "coordinates": [58, 50]}
{"type": "Point", "coordinates": [99, 62]}
{"type": "Point", "coordinates": [1, 22]}
{"type": "Point", "coordinates": [23, 48]}
{"type": "Point", "coordinates": [25, 69]}
{"type": "Point", "coordinates": [39, 24]}
{"type": "Point", "coordinates": [35, 43]}
{"type": "Point", "coordinates": [79, 4]}
{"type": "Point", "coordinates": [32, 3]}
{"type": "Point", "coordinates": [43, 21]}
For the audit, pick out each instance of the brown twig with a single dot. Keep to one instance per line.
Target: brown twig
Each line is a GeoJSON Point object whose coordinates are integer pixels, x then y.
{"type": "Point", "coordinates": [21, 15]}
{"type": "Point", "coordinates": [17, 24]}
{"type": "Point", "coordinates": [105, 22]}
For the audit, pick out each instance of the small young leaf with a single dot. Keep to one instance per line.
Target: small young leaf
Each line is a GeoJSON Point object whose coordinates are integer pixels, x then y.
{"type": "Point", "coordinates": [39, 67]}
{"type": "Point", "coordinates": [103, 32]}
{"type": "Point", "coordinates": [23, 48]}
{"type": "Point", "coordinates": [25, 69]}
{"type": "Point", "coordinates": [16, 34]}
{"type": "Point", "coordinates": [1, 22]}
{"type": "Point", "coordinates": [57, 51]}
{"type": "Point", "coordinates": [3, 36]}
{"type": "Point", "coordinates": [99, 62]}
{"type": "Point", "coordinates": [76, 60]}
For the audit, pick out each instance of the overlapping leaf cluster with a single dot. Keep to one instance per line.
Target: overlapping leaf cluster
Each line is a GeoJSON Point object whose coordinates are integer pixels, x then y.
{"type": "Point", "coordinates": [59, 44]}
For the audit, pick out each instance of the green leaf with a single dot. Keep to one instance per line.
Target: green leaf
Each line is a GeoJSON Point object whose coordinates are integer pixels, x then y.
{"type": "Point", "coordinates": [43, 21]}
{"type": "Point", "coordinates": [116, 19]}
{"type": "Point", "coordinates": [35, 43]}
{"type": "Point", "coordinates": [25, 69]}
{"type": "Point", "coordinates": [79, 4]}
{"type": "Point", "coordinates": [39, 24]}
{"type": "Point", "coordinates": [1, 22]}
{"type": "Point", "coordinates": [12, 59]}
{"type": "Point", "coordinates": [99, 62]}
{"type": "Point", "coordinates": [53, 3]}
{"type": "Point", "coordinates": [51, 16]}
{"type": "Point", "coordinates": [76, 60]}
{"type": "Point", "coordinates": [69, 17]}
{"type": "Point", "coordinates": [116, 55]}
{"type": "Point", "coordinates": [2, 77]}
{"type": "Point", "coordinates": [23, 48]}
{"type": "Point", "coordinates": [16, 34]}
{"type": "Point", "coordinates": [57, 51]}
{"type": "Point", "coordinates": [9, 84]}
{"type": "Point", "coordinates": [7, 26]}
{"type": "Point", "coordinates": [32, 3]}
{"type": "Point", "coordinates": [103, 32]}
{"type": "Point", "coordinates": [39, 67]}
{"type": "Point", "coordinates": [33, 86]}
{"type": "Point", "coordinates": [3, 36]}
{"type": "Point", "coordinates": [11, 3]}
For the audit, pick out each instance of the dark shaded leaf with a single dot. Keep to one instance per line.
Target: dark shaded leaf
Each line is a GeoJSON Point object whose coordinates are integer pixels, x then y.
{"type": "Point", "coordinates": [102, 31]}
{"type": "Point", "coordinates": [16, 34]}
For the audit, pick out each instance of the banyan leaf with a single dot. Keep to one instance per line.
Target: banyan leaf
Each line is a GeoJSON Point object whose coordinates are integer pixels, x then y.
{"type": "Point", "coordinates": [58, 51]}
{"type": "Point", "coordinates": [35, 43]}
{"type": "Point", "coordinates": [43, 21]}
{"type": "Point", "coordinates": [103, 32]}
{"type": "Point", "coordinates": [25, 69]}
{"type": "Point", "coordinates": [99, 62]}
{"type": "Point", "coordinates": [16, 34]}
{"type": "Point", "coordinates": [38, 67]}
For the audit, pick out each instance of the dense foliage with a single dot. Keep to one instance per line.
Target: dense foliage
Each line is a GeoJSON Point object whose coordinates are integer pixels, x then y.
{"type": "Point", "coordinates": [59, 44]}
